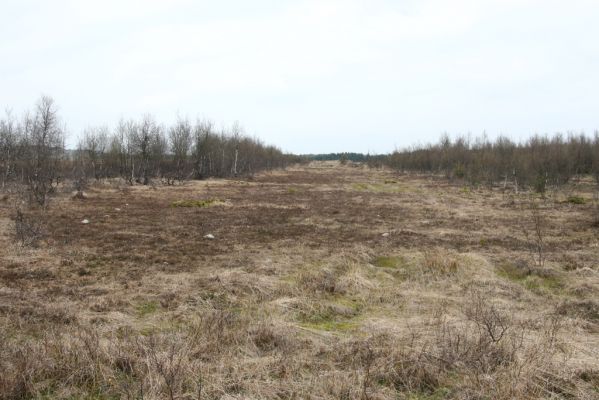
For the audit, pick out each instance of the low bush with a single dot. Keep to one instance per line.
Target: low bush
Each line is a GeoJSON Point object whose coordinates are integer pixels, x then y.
{"type": "Point", "coordinates": [28, 229]}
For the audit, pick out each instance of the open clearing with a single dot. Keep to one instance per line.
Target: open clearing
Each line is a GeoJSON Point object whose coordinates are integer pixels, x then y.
{"type": "Point", "coordinates": [322, 281]}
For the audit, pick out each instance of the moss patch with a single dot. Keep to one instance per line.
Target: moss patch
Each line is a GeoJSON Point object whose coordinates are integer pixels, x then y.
{"type": "Point", "coordinates": [359, 186]}
{"type": "Point", "coordinates": [537, 281]}
{"type": "Point", "coordinates": [576, 200]}
{"type": "Point", "coordinates": [331, 326]}
{"type": "Point", "coordinates": [340, 315]}
{"type": "Point", "coordinates": [146, 308]}
{"type": "Point", "coordinates": [393, 262]}
{"type": "Point", "coordinates": [196, 203]}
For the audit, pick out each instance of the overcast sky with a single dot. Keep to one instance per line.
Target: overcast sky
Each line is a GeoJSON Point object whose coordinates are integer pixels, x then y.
{"type": "Point", "coordinates": [310, 75]}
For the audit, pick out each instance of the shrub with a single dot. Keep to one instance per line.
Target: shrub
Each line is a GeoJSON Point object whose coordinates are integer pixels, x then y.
{"type": "Point", "coordinates": [28, 230]}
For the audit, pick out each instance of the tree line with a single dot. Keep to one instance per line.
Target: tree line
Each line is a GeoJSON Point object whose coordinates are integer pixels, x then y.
{"type": "Point", "coordinates": [32, 151]}
{"type": "Point", "coordinates": [536, 163]}
{"type": "Point", "coordinates": [355, 157]}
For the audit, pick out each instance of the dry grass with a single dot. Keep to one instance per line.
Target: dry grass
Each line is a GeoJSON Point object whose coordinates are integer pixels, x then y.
{"type": "Point", "coordinates": [301, 295]}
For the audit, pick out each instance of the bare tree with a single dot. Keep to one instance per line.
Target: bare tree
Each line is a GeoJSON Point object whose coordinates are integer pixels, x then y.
{"type": "Point", "coordinates": [203, 137]}
{"type": "Point", "coordinates": [9, 147]}
{"type": "Point", "coordinates": [44, 150]}
{"type": "Point", "coordinates": [95, 143]}
{"type": "Point", "coordinates": [32, 151]}
{"type": "Point", "coordinates": [180, 141]}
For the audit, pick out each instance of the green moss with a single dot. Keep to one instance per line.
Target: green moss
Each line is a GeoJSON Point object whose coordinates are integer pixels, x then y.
{"type": "Point", "coordinates": [388, 262]}
{"type": "Point", "coordinates": [331, 326]}
{"type": "Point", "coordinates": [359, 186]}
{"type": "Point", "coordinates": [146, 308]}
{"type": "Point", "coordinates": [340, 315]}
{"type": "Point", "coordinates": [576, 200]}
{"type": "Point", "coordinates": [538, 282]}
{"type": "Point", "coordinates": [196, 203]}
{"type": "Point", "coordinates": [542, 284]}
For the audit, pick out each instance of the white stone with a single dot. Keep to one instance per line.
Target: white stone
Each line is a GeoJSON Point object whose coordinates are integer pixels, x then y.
{"type": "Point", "coordinates": [209, 236]}
{"type": "Point", "coordinates": [85, 221]}
{"type": "Point", "coordinates": [385, 234]}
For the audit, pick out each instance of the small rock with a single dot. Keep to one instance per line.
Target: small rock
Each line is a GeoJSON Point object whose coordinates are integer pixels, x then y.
{"type": "Point", "coordinates": [386, 234]}
{"type": "Point", "coordinates": [85, 221]}
{"type": "Point", "coordinates": [117, 209]}
{"type": "Point", "coordinates": [209, 236]}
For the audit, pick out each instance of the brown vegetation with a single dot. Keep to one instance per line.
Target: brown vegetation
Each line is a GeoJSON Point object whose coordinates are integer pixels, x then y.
{"type": "Point", "coordinates": [322, 281]}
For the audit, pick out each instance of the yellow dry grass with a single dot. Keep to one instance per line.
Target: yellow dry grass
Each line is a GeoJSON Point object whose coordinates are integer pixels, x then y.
{"type": "Point", "coordinates": [323, 281]}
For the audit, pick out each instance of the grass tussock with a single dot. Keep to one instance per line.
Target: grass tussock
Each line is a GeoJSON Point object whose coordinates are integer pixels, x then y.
{"type": "Point", "coordinates": [585, 309]}
{"type": "Point", "coordinates": [440, 263]}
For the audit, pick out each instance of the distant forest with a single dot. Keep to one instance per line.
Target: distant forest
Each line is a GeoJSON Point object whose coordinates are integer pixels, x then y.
{"type": "Point", "coordinates": [537, 163]}
{"type": "Point", "coordinates": [355, 157]}
{"type": "Point", "coordinates": [540, 162]}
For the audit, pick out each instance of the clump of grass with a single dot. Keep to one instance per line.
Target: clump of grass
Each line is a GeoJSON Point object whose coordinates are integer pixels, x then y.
{"type": "Point", "coordinates": [440, 263]}
{"type": "Point", "coordinates": [586, 309]}
{"type": "Point", "coordinates": [517, 271]}
{"type": "Point", "coordinates": [196, 203]}
{"type": "Point", "coordinates": [322, 281]}
{"type": "Point", "coordinates": [576, 200]}
{"type": "Point", "coordinates": [542, 284]}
